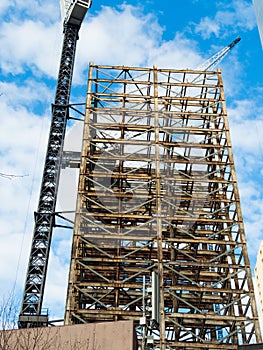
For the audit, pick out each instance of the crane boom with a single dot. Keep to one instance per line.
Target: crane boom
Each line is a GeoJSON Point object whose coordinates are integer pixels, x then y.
{"type": "Point", "coordinates": [31, 314]}
{"type": "Point", "coordinates": [216, 58]}
{"type": "Point", "coordinates": [213, 61]}
{"type": "Point", "coordinates": [75, 10]}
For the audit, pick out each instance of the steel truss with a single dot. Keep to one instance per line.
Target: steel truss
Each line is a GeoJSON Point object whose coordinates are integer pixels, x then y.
{"type": "Point", "coordinates": [31, 314]}
{"type": "Point", "coordinates": [158, 192]}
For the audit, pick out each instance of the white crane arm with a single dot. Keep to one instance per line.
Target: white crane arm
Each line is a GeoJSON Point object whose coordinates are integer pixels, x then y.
{"type": "Point", "coordinates": [64, 6]}
{"type": "Point", "coordinates": [74, 11]}
{"type": "Point", "coordinates": [215, 59]}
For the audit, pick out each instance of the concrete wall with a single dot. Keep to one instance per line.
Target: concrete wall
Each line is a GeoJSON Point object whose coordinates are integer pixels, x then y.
{"type": "Point", "coordinates": [96, 336]}
{"type": "Point", "coordinates": [251, 347]}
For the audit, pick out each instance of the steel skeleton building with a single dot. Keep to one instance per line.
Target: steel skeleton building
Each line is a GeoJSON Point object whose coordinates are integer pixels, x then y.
{"type": "Point", "coordinates": [158, 196]}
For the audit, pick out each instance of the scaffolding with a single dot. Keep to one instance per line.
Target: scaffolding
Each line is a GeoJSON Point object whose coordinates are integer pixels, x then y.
{"type": "Point", "coordinates": [159, 235]}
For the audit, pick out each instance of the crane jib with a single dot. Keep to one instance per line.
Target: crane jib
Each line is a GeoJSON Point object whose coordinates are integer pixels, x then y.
{"type": "Point", "coordinates": [76, 12]}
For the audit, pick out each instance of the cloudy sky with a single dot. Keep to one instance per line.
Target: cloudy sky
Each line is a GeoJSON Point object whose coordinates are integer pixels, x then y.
{"type": "Point", "coordinates": [171, 33]}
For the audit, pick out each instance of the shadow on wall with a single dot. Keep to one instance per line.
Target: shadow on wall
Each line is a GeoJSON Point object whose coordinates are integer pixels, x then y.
{"type": "Point", "coordinates": [96, 336]}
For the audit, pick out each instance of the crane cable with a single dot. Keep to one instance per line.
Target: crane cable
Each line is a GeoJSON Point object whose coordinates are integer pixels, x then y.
{"type": "Point", "coordinates": [29, 204]}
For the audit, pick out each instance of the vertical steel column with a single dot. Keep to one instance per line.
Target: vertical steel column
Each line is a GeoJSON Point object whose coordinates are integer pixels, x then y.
{"type": "Point", "coordinates": [239, 211]}
{"type": "Point", "coordinates": [159, 209]}
{"type": "Point", "coordinates": [31, 314]}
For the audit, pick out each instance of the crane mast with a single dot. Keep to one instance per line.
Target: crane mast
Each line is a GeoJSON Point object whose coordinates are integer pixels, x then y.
{"type": "Point", "coordinates": [31, 314]}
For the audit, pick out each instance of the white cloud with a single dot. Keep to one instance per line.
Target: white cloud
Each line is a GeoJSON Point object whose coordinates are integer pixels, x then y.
{"type": "Point", "coordinates": [207, 27]}
{"type": "Point", "coordinates": [179, 53]}
{"type": "Point", "coordinates": [101, 42]}
{"type": "Point", "coordinates": [246, 121]}
{"type": "Point", "coordinates": [4, 5]}
{"type": "Point", "coordinates": [34, 45]}
{"type": "Point", "coordinates": [139, 44]}
{"type": "Point", "coordinates": [45, 11]}
{"type": "Point", "coordinates": [244, 14]}
{"type": "Point", "coordinates": [251, 207]}
{"type": "Point", "coordinates": [30, 45]}
{"type": "Point", "coordinates": [246, 136]}
{"type": "Point", "coordinates": [239, 16]}
{"type": "Point", "coordinates": [21, 134]}
{"type": "Point", "coordinates": [7, 240]}
{"type": "Point", "coordinates": [26, 94]}
{"type": "Point", "coordinates": [56, 286]}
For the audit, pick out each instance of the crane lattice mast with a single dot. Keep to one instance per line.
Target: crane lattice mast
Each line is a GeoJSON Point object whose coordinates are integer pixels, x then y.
{"type": "Point", "coordinates": [31, 314]}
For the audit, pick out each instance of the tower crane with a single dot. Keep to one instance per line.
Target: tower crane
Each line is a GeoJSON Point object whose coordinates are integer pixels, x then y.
{"type": "Point", "coordinates": [31, 314]}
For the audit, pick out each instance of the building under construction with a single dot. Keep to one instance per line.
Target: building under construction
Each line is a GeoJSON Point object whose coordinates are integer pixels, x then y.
{"type": "Point", "coordinates": [158, 235]}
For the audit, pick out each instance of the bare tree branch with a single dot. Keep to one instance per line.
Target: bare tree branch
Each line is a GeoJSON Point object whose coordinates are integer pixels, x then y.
{"type": "Point", "coordinates": [11, 176]}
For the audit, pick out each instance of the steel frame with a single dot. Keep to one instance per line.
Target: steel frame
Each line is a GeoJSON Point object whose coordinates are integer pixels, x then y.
{"type": "Point", "coordinates": [158, 192]}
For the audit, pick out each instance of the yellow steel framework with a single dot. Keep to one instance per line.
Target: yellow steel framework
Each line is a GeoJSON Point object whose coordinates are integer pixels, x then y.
{"type": "Point", "coordinates": [158, 193]}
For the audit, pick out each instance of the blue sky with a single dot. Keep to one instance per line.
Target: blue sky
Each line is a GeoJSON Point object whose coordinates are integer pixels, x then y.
{"type": "Point", "coordinates": [172, 33]}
